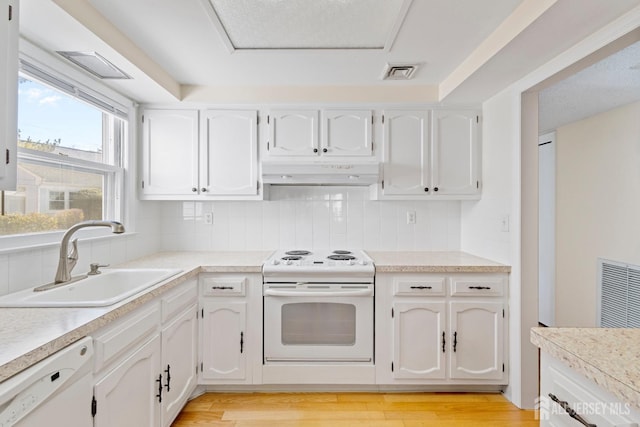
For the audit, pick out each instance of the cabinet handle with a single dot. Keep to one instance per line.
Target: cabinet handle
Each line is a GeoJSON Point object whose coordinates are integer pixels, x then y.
{"type": "Point", "coordinates": [455, 341]}
{"type": "Point", "coordinates": [222, 287]}
{"type": "Point", "coordinates": [194, 189]}
{"type": "Point", "coordinates": [168, 372]}
{"type": "Point", "coordinates": [204, 190]}
{"type": "Point", "coordinates": [241, 342]}
{"type": "Point", "coordinates": [443, 341]}
{"type": "Point", "coordinates": [315, 150]}
{"type": "Point", "coordinates": [572, 413]}
{"type": "Point", "coordinates": [435, 188]}
{"type": "Point", "coordinates": [421, 287]}
{"type": "Point", "coordinates": [479, 287]}
{"type": "Point", "coordinates": [159, 395]}
{"type": "Point", "coordinates": [324, 150]}
{"type": "Point", "coordinates": [426, 189]}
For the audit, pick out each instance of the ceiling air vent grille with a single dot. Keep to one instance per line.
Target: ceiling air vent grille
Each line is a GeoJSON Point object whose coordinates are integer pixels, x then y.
{"type": "Point", "coordinates": [399, 71]}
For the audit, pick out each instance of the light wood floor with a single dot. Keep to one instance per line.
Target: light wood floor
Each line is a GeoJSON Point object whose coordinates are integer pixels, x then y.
{"type": "Point", "coordinates": [353, 410]}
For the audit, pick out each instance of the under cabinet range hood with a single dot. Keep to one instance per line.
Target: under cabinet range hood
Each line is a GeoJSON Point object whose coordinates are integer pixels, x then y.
{"type": "Point", "coordinates": [320, 173]}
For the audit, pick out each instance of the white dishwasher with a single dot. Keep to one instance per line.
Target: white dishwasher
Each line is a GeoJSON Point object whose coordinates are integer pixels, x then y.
{"type": "Point", "coordinates": [54, 392]}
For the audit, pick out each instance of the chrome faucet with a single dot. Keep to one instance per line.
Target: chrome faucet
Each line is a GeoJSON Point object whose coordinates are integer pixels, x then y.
{"type": "Point", "coordinates": [69, 258]}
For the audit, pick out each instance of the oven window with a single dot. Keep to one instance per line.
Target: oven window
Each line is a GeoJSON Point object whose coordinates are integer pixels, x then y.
{"type": "Point", "coordinates": [318, 323]}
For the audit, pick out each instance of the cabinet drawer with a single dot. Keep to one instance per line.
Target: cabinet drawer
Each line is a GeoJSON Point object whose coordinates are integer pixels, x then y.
{"type": "Point", "coordinates": [418, 285]}
{"type": "Point", "coordinates": [179, 298]}
{"type": "Point", "coordinates": [115, 340]}
{"type": "Point", "coordinates": [594, 404]}
{"type": "Point", "coordinates": [221, 286]}
{"type": "Point", "coordinates": [490, 286]}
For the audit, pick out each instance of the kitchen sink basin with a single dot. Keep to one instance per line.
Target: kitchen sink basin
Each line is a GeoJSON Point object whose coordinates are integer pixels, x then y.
{"type": "Point", "coordinates": [107, 288]}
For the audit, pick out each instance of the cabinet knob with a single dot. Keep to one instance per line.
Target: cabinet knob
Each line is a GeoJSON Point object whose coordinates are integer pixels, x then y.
{"type": "Point", "coordinates": [435, 188]}
{"type": "Point", "coordinates": [426, 189]}
{"type": "Point", "coordinates": [315, 150]}
{"type": "Point", "coordinates": [204, 190]}
{"type": "Point", "coordinates": [194, 189]}
{"type": "Point", "coordinates": [324, 150]}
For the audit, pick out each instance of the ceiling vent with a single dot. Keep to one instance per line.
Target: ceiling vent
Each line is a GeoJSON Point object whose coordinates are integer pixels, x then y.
{"type": "Point", "coordinates": [399, 71]}
{"type": "Point", "coordinates": [95, 64]}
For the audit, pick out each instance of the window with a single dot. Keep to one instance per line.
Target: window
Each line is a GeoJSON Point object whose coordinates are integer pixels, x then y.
{"type": "Point", "coordinates": [69, 157]}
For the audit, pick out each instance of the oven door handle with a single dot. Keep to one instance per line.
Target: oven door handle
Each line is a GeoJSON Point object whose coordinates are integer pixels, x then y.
{"type": "Point", "coordinates": [350, 293]}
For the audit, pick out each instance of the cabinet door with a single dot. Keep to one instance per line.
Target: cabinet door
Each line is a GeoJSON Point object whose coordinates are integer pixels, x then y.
{"type": "Point", "coordinates": [229, 162]}
{"type": "Point", "coordinates": [179, 360]}
{"type": "Point", "coordinates": [293, 133]}
{"type": "Point", "coordinates": [8, 93]}
{"type": "Point", "coordinates": [346, 133]}
{"type": "Point", "coordinates": [406, 152]}
{"type": "Point", "coordinates": [476, 340]}
{"type": "Point", "coordinates": [454, 162]}
{"type": "Point", "coordinates": [418, 330]}
{"type": "Point", "coordinates": [223, 341]}
{"type": "Point", "coordinates": [127, 395]}
{"type": "Point", "coordinates": [170, 152]}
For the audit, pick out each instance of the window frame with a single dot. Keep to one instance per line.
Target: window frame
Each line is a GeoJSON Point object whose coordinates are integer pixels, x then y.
{"type": "Point", "coordinates": [113, 106]}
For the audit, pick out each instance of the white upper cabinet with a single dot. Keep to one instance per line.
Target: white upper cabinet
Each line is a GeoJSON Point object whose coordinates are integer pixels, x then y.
{"type": "Point", "coordinates": [229, 163]}
{"type": "Point", "coordinates": [341, 133]}
{"type": "Point", "coordinates": [187, 154]}
{"type": "Point", "coordinates": [455, 152]}
{"type": "Point", "coordinates": [293, 133]}
{"type": "Point", "coordinates": [346, 133]}
{"type": "Point", "coordinates": [8, 93]}
{"type": "Point", "coordinates": [430, 155]}
{"type": "Point", "coordinates": [170, 152]}
{"type": "Point", "coordinates": [406, 152]}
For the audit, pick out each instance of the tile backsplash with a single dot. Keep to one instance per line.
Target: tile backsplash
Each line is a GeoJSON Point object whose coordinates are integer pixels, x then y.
{"type": "Point", "coordinates": [311, 217]}
{"type": "Point", "coordinates": [293, 217]}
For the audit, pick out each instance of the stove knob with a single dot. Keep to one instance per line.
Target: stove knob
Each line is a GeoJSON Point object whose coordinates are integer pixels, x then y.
{"type": "Point", "coordinates": [275, 262]}
{"type": "Point", "coordinates": [362, 262]}
{"type": "Point", "coordinates": [352, 262]}
{"type": "Point", "coordinates": [288, 262]}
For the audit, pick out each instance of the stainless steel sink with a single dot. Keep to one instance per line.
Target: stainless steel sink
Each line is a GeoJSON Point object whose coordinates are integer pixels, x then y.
{"type": "Point", "coordinates": [110, 287]}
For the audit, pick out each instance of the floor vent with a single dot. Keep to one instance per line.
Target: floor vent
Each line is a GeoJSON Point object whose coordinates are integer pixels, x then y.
{"type": "Point", "coordinates": [619, 299]}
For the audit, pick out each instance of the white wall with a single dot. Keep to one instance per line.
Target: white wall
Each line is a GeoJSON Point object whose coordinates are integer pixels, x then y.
{"type": "Point", "coordinates": [311, 217]}
{"type": "Point", "coordinates": [503, 132]}
{"type": "Point", "coordinates": [598, 206]}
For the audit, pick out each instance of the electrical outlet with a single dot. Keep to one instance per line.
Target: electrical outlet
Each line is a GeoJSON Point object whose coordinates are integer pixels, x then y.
{"type": "Point", "coordinates": [208, 218]}
{"type": "Point", "coordinates": [411, 217]}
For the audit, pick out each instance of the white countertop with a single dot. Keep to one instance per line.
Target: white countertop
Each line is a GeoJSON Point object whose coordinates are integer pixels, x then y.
{"type": "Point", "coordinates": [608, 356]}
{"type": "Point", "coordinates": [434, 262]}
{"type": "Point", "coordinates": [29, 335]}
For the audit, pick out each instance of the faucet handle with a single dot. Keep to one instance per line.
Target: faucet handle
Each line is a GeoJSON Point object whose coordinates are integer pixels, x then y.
{"type": "Point", "coordinates": [95, 268]}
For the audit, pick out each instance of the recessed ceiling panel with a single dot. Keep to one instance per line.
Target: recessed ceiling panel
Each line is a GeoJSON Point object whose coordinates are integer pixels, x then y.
{"type": "Point", "coordinates": [310, 24]}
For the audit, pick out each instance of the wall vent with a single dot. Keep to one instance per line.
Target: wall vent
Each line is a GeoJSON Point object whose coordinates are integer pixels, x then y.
{"type": "Point", "coordinates": [619, 295]}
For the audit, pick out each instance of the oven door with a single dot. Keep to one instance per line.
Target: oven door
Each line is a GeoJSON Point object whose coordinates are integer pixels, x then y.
{"type": "Point", "coordinates": [318, 323]}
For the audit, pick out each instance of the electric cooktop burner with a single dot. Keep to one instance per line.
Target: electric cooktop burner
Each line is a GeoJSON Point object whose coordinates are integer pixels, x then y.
{"type": "Point", "coordinates": [296, 253]}
{"type": "Point", "coordinates": [339, 252]}
{"type": "Point", "coordinates": [291, 258]}
{"type": "Point", "coordinates": [340, 257]}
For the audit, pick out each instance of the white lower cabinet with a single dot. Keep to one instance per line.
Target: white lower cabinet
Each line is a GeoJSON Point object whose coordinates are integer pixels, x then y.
{"type": "Point", "coordinates": [223, 348]}
{"type": "Point", "coordinates": [418, 337]}
{"type": "Point", "coordinates": [562, 389]}
{"type": "Point", "coordinates": [127, 396]}
{"type": "Point", "coordinates": [230, 329]}
{"type": "Point", "coordinates": [179, 360]}
{"type": "Point", "coordinates": [145, 367]}
{"type": "Point", "coordinates": [476, 333]}
{"type": "Point", "coordinates": [438, 332]}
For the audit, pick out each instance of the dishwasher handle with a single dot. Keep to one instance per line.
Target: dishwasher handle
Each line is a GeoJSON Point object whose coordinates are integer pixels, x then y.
{"type": "Point", "coordinates": [330, 293]}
